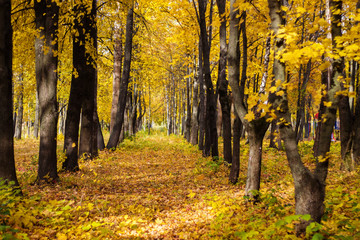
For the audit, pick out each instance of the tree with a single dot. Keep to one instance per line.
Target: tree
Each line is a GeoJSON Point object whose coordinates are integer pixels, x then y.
{"type": "Point", "coordinates": [83, 86]}
{"type": "Point", "coordinates": [309, 186]}
{"type": "Point", "coordinates": [114, 137]}
{"type": "Point", "coordinates": [223, 85]}
{"type": "Point", "coordinates": [211, 138]}
{"type": "Point", "coordinates": [46, 20]}
{"type": "Point", "coordinates": [255, 126]}
{"type": "Point", "coordinates": [7, 163]}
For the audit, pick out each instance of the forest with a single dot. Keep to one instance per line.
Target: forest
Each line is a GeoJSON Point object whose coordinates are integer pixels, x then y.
{"type": "Point", "coordinates": [179, 119]}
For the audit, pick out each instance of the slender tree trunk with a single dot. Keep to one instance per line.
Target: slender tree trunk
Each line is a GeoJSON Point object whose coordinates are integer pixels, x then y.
{"type": "Point", "coordinates": [211, 139]}
{"type": "Point", "coordinates": [7, 163]}
{"type": "Point", "coordinates": [273, 128]}
{"type": "Point", "coordinates": [234, 77]}
{"type": "Point", "coordinates": [46, 15]}
{"type": "Point", "coordinates": [223, 85]}
{"type": "Point", "coordinates": [188, 109]}
{"type": "Point", "coordinates": [235, 164]}
{"type": "Point", "coordinates": [114, 137]}
{"type": "Point", "coordinates": [118, 55]}
{"type": "Point", "coordinates": [20, 114]}
{"type": "Point", "coordinates": [300, 114]}
{"type": "Point", "coordinates": [195, 111]}
{"type": "Point", "coordinates": [202, 100]}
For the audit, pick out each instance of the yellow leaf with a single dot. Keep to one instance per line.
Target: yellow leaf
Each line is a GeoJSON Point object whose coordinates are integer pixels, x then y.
{"type": "Point", "coordinates": [250, 116]}
{"type": "Point", "coordinates": [61, 236]}
{"type": "Point", "coordinates": [73, 145]}
{"type": "Point", "coordinates": [280, 93]}
{"type": "Point", "coordinates": [273, 89]}
{"type": "Point", "coordinates": [191, 195]}
{"type": "Point", "coordinates": [327, 104]}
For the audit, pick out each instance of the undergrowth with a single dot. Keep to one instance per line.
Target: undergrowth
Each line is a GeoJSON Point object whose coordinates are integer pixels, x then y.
{"type": "Point", "coordinates": [160, 187]}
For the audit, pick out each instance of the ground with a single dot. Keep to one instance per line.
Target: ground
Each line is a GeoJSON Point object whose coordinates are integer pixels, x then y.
{"type": "Point", "coordinates": [160, 187]}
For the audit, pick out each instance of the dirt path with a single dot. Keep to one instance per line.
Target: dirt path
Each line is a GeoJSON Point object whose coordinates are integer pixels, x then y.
{"type": "Point", "coordinates": [151, 188]}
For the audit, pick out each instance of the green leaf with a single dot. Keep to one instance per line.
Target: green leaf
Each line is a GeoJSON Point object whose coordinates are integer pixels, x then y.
{"type": "Point", "coordinates": [317, 236]}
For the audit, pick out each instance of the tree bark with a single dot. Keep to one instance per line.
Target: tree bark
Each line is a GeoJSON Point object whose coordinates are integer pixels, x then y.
{"type": "Point", "coordinates": [118, 55]}
{"type": "Point", "coordinates": [256, 128]}
{"type": "Point", "coordinates": [46, 20]}
{"type": "Point", "coordinates": [82, 92]}
{"type": "Point", "coordinates": [223, 85]}
{"type": "Point", "coordinates": [211, 140]}
{"type": "Point", "coordinates": [235, 164]}
{"type": "Point", "coordinates": [88, 131]}
{"type": "Point", "coordinates": [188, 109]}
{"type": "Point", "coordinates": [114, 137]}
{"type": "Point", "coordinates": [20, 112]}
{"type": "Point", "coordinates": [202, 111]}
{"type": "Point", "coordinates": [7, 162]}
{"type": "Point", "coordinates": [195, 111]}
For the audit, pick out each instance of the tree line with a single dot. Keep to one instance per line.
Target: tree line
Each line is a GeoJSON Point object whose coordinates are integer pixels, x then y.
{"type": "Point", "coordinates": [228, 68]}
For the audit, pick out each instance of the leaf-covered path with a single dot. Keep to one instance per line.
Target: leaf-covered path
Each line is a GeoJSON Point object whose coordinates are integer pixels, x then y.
{"type": "Point", "coordinates": [160, 187]}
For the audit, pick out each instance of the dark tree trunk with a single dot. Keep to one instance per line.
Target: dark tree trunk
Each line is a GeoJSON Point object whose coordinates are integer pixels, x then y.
{"type": "Point", "coordinates": [235, 164]}
{"type": "Point", "coordinates": [350, 123]}
{"type": "Point", "coordinates": [234, 76]}
{"type": "Point", "coordinates": [72, 121]}
{"type": "Point", "coordinates": [300, 114]}
{"type": "Point", "coordinates": [195, 111]}
{"type": "Point", "coordinates": [100, 137]}
{"type": "Point", "coordinates": [82, 91]}
{"type": "Point", "coordinates": [223, 85]}
{"type": "Point", "coordinates": [118, 55]}
{"type": "Point", "coordinates": [211, 139]}
{"type": "Point", "coordinates": [202, 100]}
{"type": "Point", "coordinates": [114, 137]}
{"type": "Point", "coordinates": [20, 112]}
{"type": "Point", "coordinates": [88, 131]}
{"type": "Point", "coordinates": [273, 128]}
{"type": "Point", "coordinates": [46, 20]}
{"type": "Point", "coordinates": [188, 109]}
{"type": "Point", "coordinates": [7, 163]}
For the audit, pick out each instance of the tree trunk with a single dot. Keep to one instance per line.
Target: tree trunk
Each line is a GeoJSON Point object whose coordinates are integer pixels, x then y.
{"type": "Point", "coordinates": [88, 132]}
{"type": "Point", "coordinates": [300, 114]}
{"type": "Point", "coordinates": [254, 163]}
{"type": "Point", "coordinates": [202, 100]}
{"type": "Point", "coordinates": [211, 139]}
{"type": "Point", "coordinates": [223, 85]}
{"type": "Point", "coordinates": [235, 164]}
{"type": "Point", "coordinates": [100, 137]}
{"type": "Point", "coordinates": [114, 137]}
{"type": "Point", "coordinates": [309, 187]}
{"type": "Point", "coordinates": [83, 85]}
{"type": "Point", "coordinates": [273, 128]}
{"type": "Point", "coordinates": [234, 76]}
{"type": "Point", "coordinates": [350, 123]}
{"type": "Point", "coordinates": [188, 108]}
{"type": "Point", "coordinates": [46, 20]}
{"type": "Point", "coordinates": [195, 111]}
{"type": "Point", "coordinates": [7, 163]}
{"type": "Point", "coordinates": [37, 107]}
{"type": "Point", "coordinates": [20, 113]}
{"type": "Point", "coordinates": [118, 55]}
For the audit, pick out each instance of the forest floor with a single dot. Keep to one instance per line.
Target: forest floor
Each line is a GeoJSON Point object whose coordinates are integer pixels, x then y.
{"type": "Point", "coordinates": [160, 187]}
